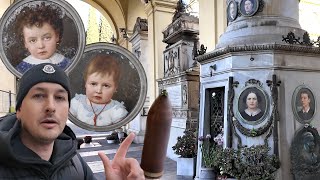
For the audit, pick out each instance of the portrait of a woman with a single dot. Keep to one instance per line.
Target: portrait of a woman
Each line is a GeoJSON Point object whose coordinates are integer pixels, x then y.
{"type": "Point", "coordinates": [252, 112]}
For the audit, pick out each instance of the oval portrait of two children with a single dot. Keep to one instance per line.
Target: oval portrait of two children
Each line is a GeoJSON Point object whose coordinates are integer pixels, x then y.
{"type": "Point", "coordinates": [108, 88]}
{"type": "Point", "coordinates": [40, 31]}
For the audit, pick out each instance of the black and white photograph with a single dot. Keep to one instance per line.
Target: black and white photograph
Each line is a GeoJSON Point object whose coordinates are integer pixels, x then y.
{"type": "Point", "coordinates": [303, 104]}
{"type": "Point", "coordinates": [249, 7]}
{"type": "Point", "coordinates": [232, 11]}
{"type": "Point", "coordinates": [252, 105]}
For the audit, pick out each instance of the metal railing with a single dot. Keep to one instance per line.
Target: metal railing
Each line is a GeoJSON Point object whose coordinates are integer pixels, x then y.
{"type": "Point", "coordinates": [7, 102]}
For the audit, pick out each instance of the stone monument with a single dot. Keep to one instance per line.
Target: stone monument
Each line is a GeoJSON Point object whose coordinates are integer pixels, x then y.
{"type": "Point", "coordinates": [261, 68]}
{"type": "Point", "coordinates": [181, 73]}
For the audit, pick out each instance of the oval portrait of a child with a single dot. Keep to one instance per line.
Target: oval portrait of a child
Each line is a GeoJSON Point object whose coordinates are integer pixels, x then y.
{"type": "Point", "coordinates": [253, 105]}
{"type": "Point", "coordinates": [41, 31]}
{"type": "Point", "coordinates": [108, 86]}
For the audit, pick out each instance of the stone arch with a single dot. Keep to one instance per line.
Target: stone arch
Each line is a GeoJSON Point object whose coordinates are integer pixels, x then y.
{"type": "Point", "coordinates": [113, 12]}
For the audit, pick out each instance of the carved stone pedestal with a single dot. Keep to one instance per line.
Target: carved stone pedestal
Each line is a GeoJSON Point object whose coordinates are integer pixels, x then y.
{"type": "Point", "coordinates": [181, 74]}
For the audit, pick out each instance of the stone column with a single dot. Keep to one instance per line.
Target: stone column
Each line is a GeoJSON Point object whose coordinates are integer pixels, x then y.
{"type": "Point", "coordinates": [139, 40]}
{"type": "Point", "coordinates": [212, 22]}
{"type": "Point", "coordinates": [270, 20]}
{"type": "Point", "coordinates": [159, 15]}
{"type": "Point", "coordinates": [181, 74]}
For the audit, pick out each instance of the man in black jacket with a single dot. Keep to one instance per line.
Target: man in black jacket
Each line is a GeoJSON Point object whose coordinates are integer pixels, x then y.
{"type": "Point", "coordinates": [35, 143]}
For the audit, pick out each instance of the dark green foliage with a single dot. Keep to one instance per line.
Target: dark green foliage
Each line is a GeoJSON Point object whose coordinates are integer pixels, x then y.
{"type": "Point", "coordinates": [247, 163]}
{"type": "Point", "coordinates": [186, 146]}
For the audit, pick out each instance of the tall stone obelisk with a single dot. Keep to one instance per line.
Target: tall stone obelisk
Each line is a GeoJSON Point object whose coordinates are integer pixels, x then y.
{"type": "Point", "coordinates": [269, 20]}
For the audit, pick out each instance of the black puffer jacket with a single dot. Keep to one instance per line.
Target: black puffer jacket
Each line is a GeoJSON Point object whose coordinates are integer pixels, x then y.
{"type": "Point", "coordinates": [19, 162]}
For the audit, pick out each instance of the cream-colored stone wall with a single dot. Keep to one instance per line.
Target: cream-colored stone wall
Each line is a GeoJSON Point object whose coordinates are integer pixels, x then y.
{"type": "Point", "coordinates": [159, 15]}
{"type": "Point", "coordinates": [135, 9]}
{"type": "Point", "coordinates": [212, 22]}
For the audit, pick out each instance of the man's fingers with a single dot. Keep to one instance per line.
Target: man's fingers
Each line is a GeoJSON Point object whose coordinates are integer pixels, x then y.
{"type": "Point", "coordinates": [106, 162]}
{"type": "Point", "coordinates": [124, 146]}
{"type": "Point", "coordinates": [134, 169]}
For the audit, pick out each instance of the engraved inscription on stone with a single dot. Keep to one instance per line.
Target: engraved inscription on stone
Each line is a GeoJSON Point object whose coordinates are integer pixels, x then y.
{"type": "Point", "coordinates": [179, 123]}
{"type": "Point", "coordinates": [174, 95]}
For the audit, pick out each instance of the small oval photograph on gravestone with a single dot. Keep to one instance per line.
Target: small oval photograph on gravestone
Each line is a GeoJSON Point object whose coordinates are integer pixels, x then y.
{"type": "Point", "coordinates": [252, 105]}
{"type": "Point", "coordinates": [232, 10]}
{"type": "Point", "coordinates": [303, 104]}
{"type": "Point", "coordinates": [249, 7]}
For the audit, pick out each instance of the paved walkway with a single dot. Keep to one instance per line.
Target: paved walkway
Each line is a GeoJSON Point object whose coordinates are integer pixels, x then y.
{"type": "Point", "coordinates": [89, 152]}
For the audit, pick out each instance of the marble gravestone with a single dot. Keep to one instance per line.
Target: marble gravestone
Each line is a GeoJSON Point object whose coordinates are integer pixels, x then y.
{"type": "Point", "coordinates": [267, 51]}
{"type": "Point", "coordinates": [181, 74]}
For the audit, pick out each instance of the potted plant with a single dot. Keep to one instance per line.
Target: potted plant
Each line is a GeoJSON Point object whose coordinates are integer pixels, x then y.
{"type": "Point", "coordinates": [87, 139]}
{"type": "Point", "coordinates": [251, 163]}
{"type": "Point", "coordinates": [112, 138]}
{"type": "Point", "coordinates": [120, 132]}
{"type": "Point", "coordinates": [186, 148]}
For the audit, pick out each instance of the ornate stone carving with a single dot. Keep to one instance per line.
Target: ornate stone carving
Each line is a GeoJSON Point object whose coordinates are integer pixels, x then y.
{"type": "Point", "coordinates": [202, 50]}
{"type": "Point", "coordinates": [261, 5]}
{"type": "Point", "coordinates": [282, 47]}
{"type": "Point", "coordinates": [291, 38]}
{"type": "Point", "coordinates": [184, 76]}
{"type": "Point", "coordinates": [253, 132]}
{"type": "Point", "coordinates": [137, 53]}
{"type": "Point", "coordinates": [305, 156]}
{"type": "Point", "coordinates": [123, 32]}
{"type": "Point", "coordinates": [195, 50]}
{"type": "Point", "coordinates": [141, 25]}
{"type": "Point", "coordinates": [180, 10]}
{"type": "Point", "coordinates": [317, 42]}
{"type": "Point", "coordinates": [306, 41]}
{"type": "Point", "coordinates": [185, 27]}
{"type": "Point", "coordinates": [172, 62]}
{"type": "Point", "coordinates": [180, 113]}
{"type": "Point", "coordinates": [253, 82]}
{"type": "Point", "coordinates": [184, 95]}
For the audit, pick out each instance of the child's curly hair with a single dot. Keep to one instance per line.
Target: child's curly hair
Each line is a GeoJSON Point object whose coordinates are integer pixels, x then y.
{"type": "Point", "coordinates": [37, 15]}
